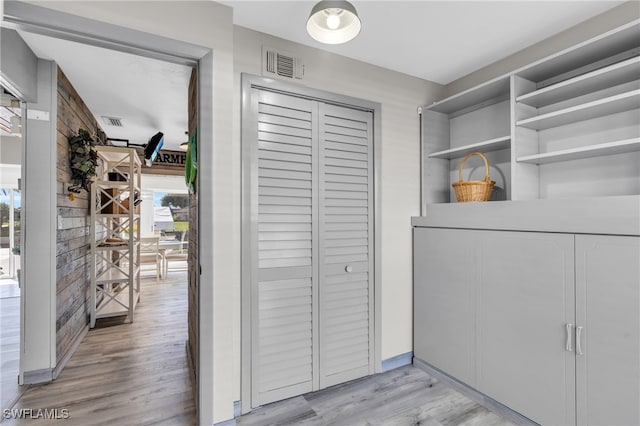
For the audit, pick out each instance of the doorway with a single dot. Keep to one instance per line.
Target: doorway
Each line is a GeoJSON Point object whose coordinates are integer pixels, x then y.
{"type": "Point", "coordinates": [11, 112]}
{"type": "Point", "coordinates": [64, 194]}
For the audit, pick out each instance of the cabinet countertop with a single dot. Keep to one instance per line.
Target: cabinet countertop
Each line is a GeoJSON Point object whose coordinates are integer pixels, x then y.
{"type": "Point", "coordinates": [616, 215]}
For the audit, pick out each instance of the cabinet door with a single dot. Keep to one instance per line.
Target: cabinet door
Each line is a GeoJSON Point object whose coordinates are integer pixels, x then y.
{"type": "Point", "coordinates": [444, 293]}
{"type": "Point", "coordinates": [608, 309]}
{"type": "Point", "coordinates": [525, 300]}
{"type": "Point", "coordinates": [345, 244]}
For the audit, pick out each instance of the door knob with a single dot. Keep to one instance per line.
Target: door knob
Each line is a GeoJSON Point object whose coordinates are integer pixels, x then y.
{"type": "Point", "coordinates": [348, 268]}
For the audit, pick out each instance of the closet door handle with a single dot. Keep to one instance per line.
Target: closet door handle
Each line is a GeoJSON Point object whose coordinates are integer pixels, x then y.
{"type": "Point", "coordinates": [578, 338]}
{"type": "Point", "coordinates": [569, 328]}
{"type": "Point", "coordinates": [348, 268]}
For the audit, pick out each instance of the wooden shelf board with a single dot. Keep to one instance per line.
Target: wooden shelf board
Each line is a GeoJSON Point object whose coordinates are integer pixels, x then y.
{"type": "Point", "coordinates": [599, 108]}
{"type": "Point", "coordinates": [117, 248]}
{"type": "Point", "coordinates": [116, 216]}
{"type": "Point", "coordinates": [111, 276]}
{"type": "Point", "coordinates": [115, 184]}
{"type": "Point", "coordinates": [116, 154]}
{"type": "Point", "coordinates": [612, 75]}
{"type": "Point", "coordinates": [113, 248]}
{"type": "Point", "coordinates": [113, 308]}
{"type": "Point", "coordinates": [609, 148]}
{"type": "Point", "coordinates": [496, 144]}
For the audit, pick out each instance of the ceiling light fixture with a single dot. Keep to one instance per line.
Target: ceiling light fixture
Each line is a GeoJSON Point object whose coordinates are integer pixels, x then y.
{"type": "Point", "coordinates": [333, 22]}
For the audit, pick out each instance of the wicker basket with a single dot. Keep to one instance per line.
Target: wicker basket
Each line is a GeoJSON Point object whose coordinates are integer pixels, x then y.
{"type": "Point", "coordinates": [473, 190]}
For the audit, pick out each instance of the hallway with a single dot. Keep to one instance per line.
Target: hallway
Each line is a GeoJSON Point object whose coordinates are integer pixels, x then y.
{"type": "Point", "coordinates": [127, 374]}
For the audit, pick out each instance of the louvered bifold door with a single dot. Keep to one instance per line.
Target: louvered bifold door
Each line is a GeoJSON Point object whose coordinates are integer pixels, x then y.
{"type": "Point", "coordinates": [283, 274]}
{"type": "Point", "coordinates": [345, 244]}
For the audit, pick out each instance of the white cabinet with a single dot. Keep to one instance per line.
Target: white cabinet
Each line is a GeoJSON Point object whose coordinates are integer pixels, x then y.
{"type": "Point", "coordinates": [565, 126]}
{"type": "Point", "coordinates": [559, 347]}
{"type": "Point", "coordinates": [115, 234]}
{"type": "Point", "coordinates": [525, 297]}
{"type": "Point", "coordinates": [608, 310]}
{"type": "Point", "coordinates": [444, 294]}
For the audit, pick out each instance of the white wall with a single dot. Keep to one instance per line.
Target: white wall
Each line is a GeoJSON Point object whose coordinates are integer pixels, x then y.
{"type": "Point", "coordinates": [400, 95]}
{"type": "Point", "coordinates": [18, 65]}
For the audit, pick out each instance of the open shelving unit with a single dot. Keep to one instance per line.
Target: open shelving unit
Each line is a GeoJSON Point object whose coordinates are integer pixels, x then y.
{"type": "Point", "coordinates": [549, 128]}
{"type": "Point", "coordinates": [115, 234]}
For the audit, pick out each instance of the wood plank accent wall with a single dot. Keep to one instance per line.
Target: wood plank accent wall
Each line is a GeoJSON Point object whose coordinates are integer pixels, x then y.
{"type": "Point", "coordinates": [72, 241]}
{"type": "Point", "coordinates": [194, 266]}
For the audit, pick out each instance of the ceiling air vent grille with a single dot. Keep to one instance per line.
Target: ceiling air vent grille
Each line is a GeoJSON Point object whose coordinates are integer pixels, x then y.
{"type": "Point", "coordinates": [282, 64]}
{"type": "Point", "coordinates": [112, 121]}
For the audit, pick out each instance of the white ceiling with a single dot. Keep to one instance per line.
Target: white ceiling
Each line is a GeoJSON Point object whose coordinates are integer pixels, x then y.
{"type": "Point", "coordinates": [434, 40]}
{"type": "Point", "coordinates": [439, 41]}
{"type": "Point", "coordinates": [146, 94]}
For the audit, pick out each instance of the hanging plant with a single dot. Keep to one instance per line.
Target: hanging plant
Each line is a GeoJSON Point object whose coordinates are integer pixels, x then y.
{"type": "Point", "coordinates": [83, 160]}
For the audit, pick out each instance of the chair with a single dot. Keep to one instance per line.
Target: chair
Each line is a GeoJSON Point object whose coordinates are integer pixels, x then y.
{"type": "Point", "coordinates": [181, 254]}
{"type": "Point", "coordinates": [150, 253]}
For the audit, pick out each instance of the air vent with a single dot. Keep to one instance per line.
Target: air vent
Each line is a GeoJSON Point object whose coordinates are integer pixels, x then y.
{"type": "Point", "coordinates": [112, 121]}
{"type": "Point", "coordinates": [281, 64]}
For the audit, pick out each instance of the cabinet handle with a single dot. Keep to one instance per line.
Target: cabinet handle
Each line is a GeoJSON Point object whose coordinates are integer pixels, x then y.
{"type": "Point", "coordinates": [578, 338]}
{"type": "Point", "coordinates": [568, 344]}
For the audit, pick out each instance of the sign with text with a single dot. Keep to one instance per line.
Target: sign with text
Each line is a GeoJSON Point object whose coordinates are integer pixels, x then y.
{"type": "Point", "coordinates": [165, 163]}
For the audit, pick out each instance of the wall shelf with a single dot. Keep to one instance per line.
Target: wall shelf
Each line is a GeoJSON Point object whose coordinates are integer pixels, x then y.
{"type": "Point", "coordinates": [496, 144]}
{"type": "Point", "coordinates": [612, 75]}
{"type": "Point", "coordinates": [485, 93]}
{"type": "Point", "coordinates": [599, 150]}
{"type": "Point", "coordinates": [601, 107]}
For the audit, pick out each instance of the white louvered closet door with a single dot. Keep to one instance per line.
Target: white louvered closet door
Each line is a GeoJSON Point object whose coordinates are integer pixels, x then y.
{"type": "Point", "coordinates": [312, 245]}
{"type": "Point", "coordinates": [283, 325]}
{"type": "Point", "coordinates": [345, 244]}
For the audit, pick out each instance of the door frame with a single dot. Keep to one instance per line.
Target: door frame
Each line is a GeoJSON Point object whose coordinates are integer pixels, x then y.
{"type": "Point", "coordinates": [250, 82]}
{"type": "Point", "coordinates": [66, 26]}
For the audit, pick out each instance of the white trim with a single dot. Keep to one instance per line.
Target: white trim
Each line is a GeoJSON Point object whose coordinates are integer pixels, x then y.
{"type": "Point", "coordinates": [65, 26]}
{"type": "Point", "coordinates": [397, 361]}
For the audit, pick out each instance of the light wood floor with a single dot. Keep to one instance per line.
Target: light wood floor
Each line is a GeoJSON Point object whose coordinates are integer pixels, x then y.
{"type": "Point", "coordinates": [127, 374]}
{"type": "Point", "coordinates": [9, 341]}
{"type": "Point", "coordinates": [402, 397]}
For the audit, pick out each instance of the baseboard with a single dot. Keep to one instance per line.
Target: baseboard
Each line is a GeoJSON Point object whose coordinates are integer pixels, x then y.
{"type": "Point", "coordinates": [231, 422]}
{"type": "Point", "coordinates": [37, 376]}
{"type": "Point", "coordinates": [397, 361]}
{"type": "Point", "coordinates": [474, 395]}
{"type": "Point", "coordinates": [74, 347]}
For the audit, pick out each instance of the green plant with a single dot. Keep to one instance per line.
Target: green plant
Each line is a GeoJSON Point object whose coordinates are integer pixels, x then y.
{"type": "Point", "coordinates": [83, 160]}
